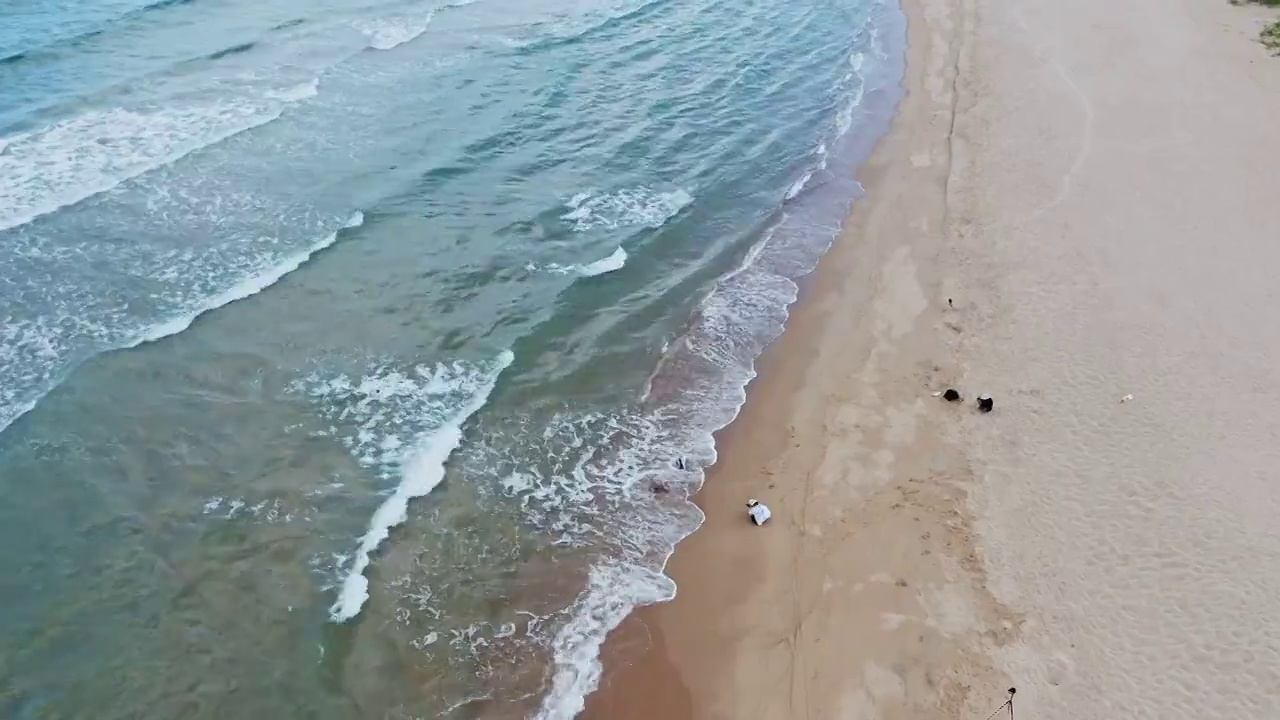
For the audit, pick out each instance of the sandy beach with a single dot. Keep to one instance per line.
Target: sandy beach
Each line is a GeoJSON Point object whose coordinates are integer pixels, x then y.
{"type": "Point", "coordinates": [1088, 182]}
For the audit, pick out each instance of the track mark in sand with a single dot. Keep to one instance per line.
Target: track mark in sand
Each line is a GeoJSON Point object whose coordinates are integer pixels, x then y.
{"type": "Point", "coordinates": [799, 679]}
{"type": "Point", "coordinates": [1086, 143]}
{"type": "Point", "coordinates": [1086, 139]}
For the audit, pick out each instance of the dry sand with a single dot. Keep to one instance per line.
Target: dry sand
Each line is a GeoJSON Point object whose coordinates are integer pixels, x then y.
{"type": "Point", "coordinates": [1097, 184]}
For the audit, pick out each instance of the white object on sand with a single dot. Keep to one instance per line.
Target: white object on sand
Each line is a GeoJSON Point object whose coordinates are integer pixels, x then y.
{"type": "Point", "coordinates": [1126, 398]}
{"type": "Point", "coordinates": [758, 513]}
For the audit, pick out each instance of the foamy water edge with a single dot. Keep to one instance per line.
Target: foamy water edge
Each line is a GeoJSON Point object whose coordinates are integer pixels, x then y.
{"type": "Point", "coordinates": [420, 473]}
{"type": "Point", "coordinates": [615, 590]}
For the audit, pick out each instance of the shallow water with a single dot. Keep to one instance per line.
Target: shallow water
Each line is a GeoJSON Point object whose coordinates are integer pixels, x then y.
{"type": "Point", "coordinates": [342, 344]}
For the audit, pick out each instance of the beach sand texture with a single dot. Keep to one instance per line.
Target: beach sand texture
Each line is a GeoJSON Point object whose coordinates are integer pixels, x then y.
{"type": "Point", "coordinates": [1095, 184]}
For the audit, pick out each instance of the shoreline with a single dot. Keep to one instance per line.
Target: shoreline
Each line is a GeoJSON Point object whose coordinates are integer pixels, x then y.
{"type": "Point", "coordinates": [741, 615]}
{"type": "Point", "coordinates": [1108, 558]}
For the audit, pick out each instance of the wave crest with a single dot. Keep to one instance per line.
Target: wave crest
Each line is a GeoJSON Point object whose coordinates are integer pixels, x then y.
{"type": "Point", "coordinates": [430, 405]}
{"type": "Point", "coordinates": [630, 207]}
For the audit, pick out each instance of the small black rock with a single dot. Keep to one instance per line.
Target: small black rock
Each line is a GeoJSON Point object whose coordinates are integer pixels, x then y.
{"type": "Point", "coordinates": [951, 395]}
{"type": "Point", "coordinates": [985, 403]}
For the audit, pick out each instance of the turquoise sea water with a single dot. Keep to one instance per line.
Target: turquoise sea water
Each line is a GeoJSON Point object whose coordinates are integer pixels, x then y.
{"type": "Point", "coordinates": [344, 342]}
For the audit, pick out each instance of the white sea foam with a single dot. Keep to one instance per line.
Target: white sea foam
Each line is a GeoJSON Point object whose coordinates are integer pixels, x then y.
{"type": "Point", "coordinates": [857, 89]}
{"type": "Point", "coordinates": [387, 33]}
{"type": "Point", "coordinates": [613, 591]}
{"type": "Point", "coordinates": [445, 397]}
{"type": "Point", "coordinates": [604, 265]}
{"type": "Point", "coordinates": [247, 287]}
{"type": "Point", "coordinates": [556, 491]}
{"type": "Point", "coordinates": [614, 261]}
{"type": "Point", "coordinates": [856, 61]}
{"type": "Point", "coordinates": [390, 32]}
{"type": "Point", "coordinates": [34, 352]}
{"type": "Point", "coordinates": [299, 92]}
{"type": "Point", "coordinates": [378, 415]}
{"type": "Point", "coordinates": [844, 120]}
{"type": "Point", "coordinates": [27, 348]}
{"type": "Point", "coordinates": [265, 511]}
{"type": "Point", "coordinates": [630, 207]}
{"type": "Point", "coordinates": [82, 156]}
{"type": "Point", "coordinates": [820, 164]}
{"type": "Point", "coordinates": [799, 185]}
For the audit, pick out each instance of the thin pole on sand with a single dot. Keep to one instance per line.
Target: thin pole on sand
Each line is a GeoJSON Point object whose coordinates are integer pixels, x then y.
{"type": "Point", "coordinates": [1007, 704]}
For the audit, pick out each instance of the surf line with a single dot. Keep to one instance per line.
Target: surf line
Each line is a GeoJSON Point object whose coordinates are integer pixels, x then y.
{"type": "Point", "coordinates": [420, 473]}
{"type": "Point", "coordinates": [244, 288]}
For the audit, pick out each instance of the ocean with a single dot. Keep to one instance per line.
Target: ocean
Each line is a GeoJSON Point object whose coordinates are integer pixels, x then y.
{"type": "Point", "coordinates": [350, 350]}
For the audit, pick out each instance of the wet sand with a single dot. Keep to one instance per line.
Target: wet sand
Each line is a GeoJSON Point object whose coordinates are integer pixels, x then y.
{"type": "Point", "coordinates": [1093, 185]}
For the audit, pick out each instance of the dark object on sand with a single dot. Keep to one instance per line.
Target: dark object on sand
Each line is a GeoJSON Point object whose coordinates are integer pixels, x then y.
{"type": "Point", "coordinates": [951, 395]}
{"type": "Point", "coordinates": [985, 403]}
{"type": "Point", "coordinates": [950, 304]}
{"type": "Point", "coordinates": [1007, 704]}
